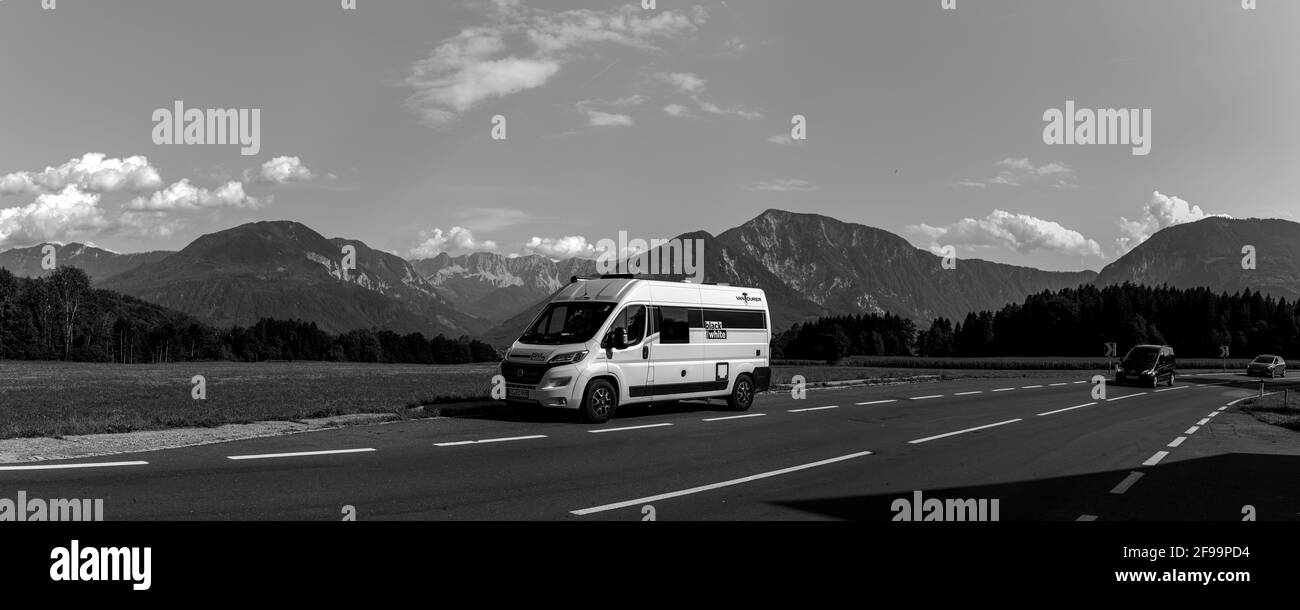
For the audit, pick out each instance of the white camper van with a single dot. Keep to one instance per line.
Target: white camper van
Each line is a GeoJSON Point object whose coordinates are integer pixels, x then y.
{"type": "Point", "coordinates": [601, 343]}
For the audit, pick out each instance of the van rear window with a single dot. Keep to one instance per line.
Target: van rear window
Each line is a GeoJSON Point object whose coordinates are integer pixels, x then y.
{"type": "Point", "coordinates": [736, 319]}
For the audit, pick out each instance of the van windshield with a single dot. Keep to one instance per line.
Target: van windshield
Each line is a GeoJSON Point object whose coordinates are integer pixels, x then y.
{"type": "Point", "coordinates": [562, 323]}
{"type": "Point", "coordinates": [1142, 355]}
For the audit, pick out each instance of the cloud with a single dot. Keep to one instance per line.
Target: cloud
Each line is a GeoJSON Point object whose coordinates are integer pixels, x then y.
{"type": "Point", "coordinates": [734, 46]}
{"type": "Point", "coordinates": [1020, 232]}
{"type": "Point", "coordinates": [486, 62]}
{"type": "Point", "coordinates": [280, 170]}
{"type": "Point", "coordinates": [1022, 172]}
{"type": "Point", "coordinates": [183, 196]}
{"type": "Point", "coordinates": [68, 214]}
{"type": "Point", "coordinates": [692, 85]}
{"type": "Point", "coordinates": [596, 118]}
{"type": "Point", "coordinates": [92, 173]}
{"type": "Point", "coordinates": [782, 185]}
{"type": "Point", "coordinates": [684, 82]}
{"type": "Point", "coordinates": [458, 240]}
{"type": "Point", "coordinates": [677, 110]}
{"type": "Point", "coordinates": [1161, 211]}
{"type": "Point", "coordinates": [561, 247]}
{"type": "Point", "coordinates": [784, 139]}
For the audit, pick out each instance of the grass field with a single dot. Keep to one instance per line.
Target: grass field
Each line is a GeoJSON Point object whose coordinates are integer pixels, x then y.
{"type": "Point", "coordinates": [1277, 409]}
{"type": "Point", "coordinates": [51, 399]}
{"type": "Point", "coordinates": [61, 399]}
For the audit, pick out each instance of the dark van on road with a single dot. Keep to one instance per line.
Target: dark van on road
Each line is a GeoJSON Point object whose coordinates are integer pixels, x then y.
{"type": "Point", "coordinates": [1147, 365]}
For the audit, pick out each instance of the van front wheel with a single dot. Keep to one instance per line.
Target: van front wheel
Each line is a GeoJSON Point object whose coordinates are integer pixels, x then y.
{"type": "Point", "coordinates": [599, 402]}
{"type": "Point", "coordinates": [742, 393]}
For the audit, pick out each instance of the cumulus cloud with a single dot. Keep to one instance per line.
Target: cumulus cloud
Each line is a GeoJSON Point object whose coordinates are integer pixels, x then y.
{"type": "Point", "coordinates": [561, 247]}
{"type": "Point", "coordinates": [1021, 172]}
{"type": "Point", "coordinates": [485, 62]}
{"type": "Point", "coordinates": [784, 139]}
{"type": "Point", "coordinates": [597, 118]}
{"type": "Point", "coordinates": [68, 214]}
{"type": "Point", "coordinates": [91, 173]}
{"type": "Point", "coordinates": [1020, 232]}
{"type": "Point", "coordinates": [458, 240]}
{"type": "Point", "coordinates": [280, 170]}
{"type": "Point", "coordinates": [782, 185]}
{"type": "Point", "coordinates": [183, 196]}
{"type": "Point", "coordinates": [684, 82]}
{"type": "Point", "coordinates": [1160, 211]}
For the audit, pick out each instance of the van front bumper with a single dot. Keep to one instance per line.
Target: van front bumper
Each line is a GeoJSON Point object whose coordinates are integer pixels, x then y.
{"type": "Point", "coordinates": [541, 385]}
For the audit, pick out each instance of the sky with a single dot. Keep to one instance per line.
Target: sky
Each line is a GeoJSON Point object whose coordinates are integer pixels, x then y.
{"type": "Point", "coordinates": [378, 123]}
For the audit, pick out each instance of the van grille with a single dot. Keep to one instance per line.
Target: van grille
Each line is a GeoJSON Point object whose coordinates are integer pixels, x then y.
{"type": "Point", "coordinates": [526, 373]}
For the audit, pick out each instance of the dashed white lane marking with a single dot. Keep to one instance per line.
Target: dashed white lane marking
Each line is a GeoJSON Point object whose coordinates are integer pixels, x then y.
{"type": "Point", "coordinates": [1177, 387]}
{"type": "Point", "coordinates": [1082, 381]}
{"type": "Point", "coordinates": [266, 456]}
{"type": "Point", "coordinates": [1126, 483]}
{"type": "Point", "coordinates": [1213, 414]}
{"type": "Point", "coordinates": [1087, 518]}
{"type": "Point", "coordinates": [490, 440]}
{"type": "Point", "coordinates": [813, 409]}
{"type": "Point", "coordinates": [1058, 384]}
{"type": "Point", "coordinates": [1067, 409]}
{"type": "Point", "coordinates": [1123, 397]}
{"type": "Point", "coordinates": [1155, 459]}
{"type": "Point", "coordinates": [82, 465]}
{"type": "Point", "coordinates": [1223, 408]}
{"type": "Point", "coordinates": [712, 486]}
{"type": "Point", "coordinates": [629, 428]}
{"type": "Point", "coordinates": [1178, 441]}
{"type": "Point", "coordinates": [1204, 420]}
{"type": "Point", "coordinates": [1030, 387]}
{"type": "Point", "coordinates": [926, 397]}
{"type": "Point", "coordinates": [1192, 430]}
{"type": "Point", "coordinates": [876, 402]}
{"type": "Point", "coordinates": [1003, 389]}
{"type": "Point", "coordinates": [735, 417]}
{"type": "Point", "coordinates": [969, 393]}
{"type": "Point", "coordinates": [984, 427]}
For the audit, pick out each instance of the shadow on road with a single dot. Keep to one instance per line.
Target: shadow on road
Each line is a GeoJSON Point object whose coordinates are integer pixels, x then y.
{"type": "Point", "coordinates": [1217, 488]}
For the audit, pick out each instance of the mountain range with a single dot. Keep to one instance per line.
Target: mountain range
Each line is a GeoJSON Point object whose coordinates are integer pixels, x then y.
{"type": "Point", "coordinates": [809, 265]}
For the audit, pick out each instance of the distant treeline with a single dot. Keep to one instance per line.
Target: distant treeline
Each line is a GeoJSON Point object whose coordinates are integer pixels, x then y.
{"type": "Point", "coordinates": [60, 317]}
{"type": "Point", "coordinates": [1070, 322]}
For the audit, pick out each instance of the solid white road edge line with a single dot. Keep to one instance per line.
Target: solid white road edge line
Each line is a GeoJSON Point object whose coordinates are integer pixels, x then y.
{"type": "Point", "coordinates": [489, 440]}
{"type": "Point", "coordinates": [61, 466]}
{"type": "Point", "coordinates": [263, 456]}
{"type": "Point", "coordinates": [712, 486]}
{"type": "Point", "coordinates": [1067, 409]}
{"type": "Point", "coordinates": [931, 438]}
{"type": "Point", "coordinates": [629, 428]}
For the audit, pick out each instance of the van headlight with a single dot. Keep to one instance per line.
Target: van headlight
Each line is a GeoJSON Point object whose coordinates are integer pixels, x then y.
{"type": "Point", "coordinates": [556, 383]}
{"type": "Point", "coordinates": [568, 357]}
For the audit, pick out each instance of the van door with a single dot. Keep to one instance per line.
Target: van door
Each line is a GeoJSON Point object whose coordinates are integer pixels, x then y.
{"type": "Point", "coordinates": [632, 363]}
{"type": "Point", "coordinates": [677, 354]}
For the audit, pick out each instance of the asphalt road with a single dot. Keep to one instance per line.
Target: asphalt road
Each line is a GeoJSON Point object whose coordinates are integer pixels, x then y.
{"type": "Point", "coordinates": [1045, 449]}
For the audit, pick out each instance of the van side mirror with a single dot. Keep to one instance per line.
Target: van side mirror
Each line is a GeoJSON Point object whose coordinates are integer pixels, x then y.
{"type": "Point", "coordinates": [620, 338]}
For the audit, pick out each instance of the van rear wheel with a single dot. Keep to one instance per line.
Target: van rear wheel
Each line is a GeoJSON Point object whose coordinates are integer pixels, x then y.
{"type": "Point", "coordinates": [599, 402]}
{"type": "Point", "coordinates": [742, 393]}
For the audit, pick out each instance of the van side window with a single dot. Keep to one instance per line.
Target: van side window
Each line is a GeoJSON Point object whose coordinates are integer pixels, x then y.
{"type": "Point", "coordinates": [632, 320]}
{"type": "Point", "coordinates": [674, 325]}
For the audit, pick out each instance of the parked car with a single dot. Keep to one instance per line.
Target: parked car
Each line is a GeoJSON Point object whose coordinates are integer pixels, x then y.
{"type": "Point", "coordinates": [1147, 365]}
{"type": "Point", "coordinates": [1267, 365]}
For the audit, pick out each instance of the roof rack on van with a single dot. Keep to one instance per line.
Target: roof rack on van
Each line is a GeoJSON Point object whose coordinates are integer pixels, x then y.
{"type": "Point", "coordinates": [607, 276]}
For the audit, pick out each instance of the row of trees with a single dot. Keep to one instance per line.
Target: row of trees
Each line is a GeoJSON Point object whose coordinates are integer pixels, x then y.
{"type": "Point", "coordinates": [60, 317]}
{"type": "Point", "coordinates": [1070, 322]}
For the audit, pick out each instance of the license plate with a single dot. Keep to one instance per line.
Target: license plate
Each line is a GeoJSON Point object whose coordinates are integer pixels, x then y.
{"type": "Point", "coordinates": [516, 393]}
